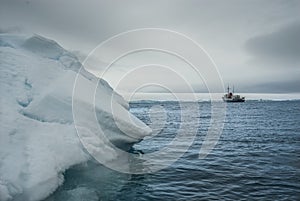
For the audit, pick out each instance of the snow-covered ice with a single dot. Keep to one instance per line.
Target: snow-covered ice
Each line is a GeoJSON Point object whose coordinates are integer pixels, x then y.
{"type": "Point", "coordinates": [38, 139]}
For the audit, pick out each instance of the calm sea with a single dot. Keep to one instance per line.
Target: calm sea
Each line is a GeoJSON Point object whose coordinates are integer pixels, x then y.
{"type": "Point", "coordinates": [257, 158]}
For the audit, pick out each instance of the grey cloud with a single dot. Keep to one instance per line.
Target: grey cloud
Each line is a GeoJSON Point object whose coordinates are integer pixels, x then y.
{"type": "Point", "coordinates": [281, 45]}
{"type": "Point", "coordinates": [292, 86]}
{"type": "Point", "coordinates": [220, 27]}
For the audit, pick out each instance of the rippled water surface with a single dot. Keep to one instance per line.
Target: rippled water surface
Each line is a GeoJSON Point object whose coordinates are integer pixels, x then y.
{"type": "Point", "coordinates": [256, 158]}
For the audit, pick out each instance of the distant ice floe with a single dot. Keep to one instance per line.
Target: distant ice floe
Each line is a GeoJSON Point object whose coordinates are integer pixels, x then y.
{"type": "Point", "coordinates": [38, 139]}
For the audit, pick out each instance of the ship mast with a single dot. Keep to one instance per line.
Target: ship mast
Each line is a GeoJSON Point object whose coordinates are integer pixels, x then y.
{"type": "Point", "coordinates": [233, 89]}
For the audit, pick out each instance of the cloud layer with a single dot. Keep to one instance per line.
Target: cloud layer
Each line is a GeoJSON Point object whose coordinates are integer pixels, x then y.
{"type": "Point", "coordinates": [281, 45]}
{"type": "Point", "coordinates": [253, 42]}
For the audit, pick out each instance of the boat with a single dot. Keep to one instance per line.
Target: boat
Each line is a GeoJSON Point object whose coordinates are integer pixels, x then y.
{"type": "Point", "coordinates": [231, 97]}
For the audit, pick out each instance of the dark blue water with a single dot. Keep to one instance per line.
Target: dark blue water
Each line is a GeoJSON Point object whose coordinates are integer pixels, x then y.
{"type": "Point", "coordinates": [256, 158]}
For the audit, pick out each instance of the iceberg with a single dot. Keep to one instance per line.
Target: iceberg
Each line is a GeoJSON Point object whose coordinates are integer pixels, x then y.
{"type": "Point", "coordinates": [38, 139]}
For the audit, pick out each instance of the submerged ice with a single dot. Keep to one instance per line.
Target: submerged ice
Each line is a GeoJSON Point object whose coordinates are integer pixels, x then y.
{"type": "Point", "coordinates": [38, 139]}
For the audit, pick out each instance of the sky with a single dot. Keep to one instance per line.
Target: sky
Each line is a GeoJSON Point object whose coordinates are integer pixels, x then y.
{"type": "Point", "coordinates": [255, 44]}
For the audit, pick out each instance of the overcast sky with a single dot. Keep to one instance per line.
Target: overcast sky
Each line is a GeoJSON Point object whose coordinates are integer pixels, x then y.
{"type": "Point", "coordinates": [255, 44]}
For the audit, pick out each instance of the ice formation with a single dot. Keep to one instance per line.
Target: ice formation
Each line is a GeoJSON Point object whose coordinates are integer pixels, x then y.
{"type": "Point", "coordinates": [38, 139]}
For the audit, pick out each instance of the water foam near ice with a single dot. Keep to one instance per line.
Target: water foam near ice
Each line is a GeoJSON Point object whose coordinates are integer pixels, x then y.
{"type": "Point", "coordinates": [38, 137]}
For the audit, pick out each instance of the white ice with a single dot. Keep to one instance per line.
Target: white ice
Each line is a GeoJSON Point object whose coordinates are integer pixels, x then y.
{"type": "Point", "coordinates": [38, 139]}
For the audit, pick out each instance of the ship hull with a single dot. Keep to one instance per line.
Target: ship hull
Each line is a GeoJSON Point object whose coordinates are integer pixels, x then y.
{"type": "Point", "coordinates": [233, 100]}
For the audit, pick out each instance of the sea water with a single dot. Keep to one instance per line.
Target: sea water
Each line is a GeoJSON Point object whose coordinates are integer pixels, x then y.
{"type": "Point", "coordinates": [256, 158]}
